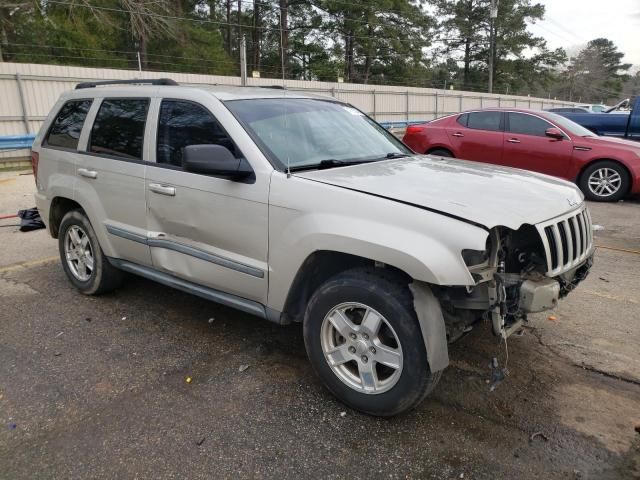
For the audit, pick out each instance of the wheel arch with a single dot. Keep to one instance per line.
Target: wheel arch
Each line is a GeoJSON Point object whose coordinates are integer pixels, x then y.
{"type": "Point", "coordinates": [438, 147]}
{"type": "Point", "coordinates": [321, 265]}
{"type": "Point", "coordinates": [60, 206]}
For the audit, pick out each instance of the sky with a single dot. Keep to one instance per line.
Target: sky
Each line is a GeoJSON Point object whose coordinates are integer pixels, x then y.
{"type": "Point", "coordinates": [572, 23]}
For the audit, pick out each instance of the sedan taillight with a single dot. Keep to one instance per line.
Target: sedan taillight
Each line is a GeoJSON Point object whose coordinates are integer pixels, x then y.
{"type": "Point", "coordinates": [414, 129]}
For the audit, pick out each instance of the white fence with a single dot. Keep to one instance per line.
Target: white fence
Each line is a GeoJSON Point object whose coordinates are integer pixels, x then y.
{"type": "Point", "coordinates": [28, 91]}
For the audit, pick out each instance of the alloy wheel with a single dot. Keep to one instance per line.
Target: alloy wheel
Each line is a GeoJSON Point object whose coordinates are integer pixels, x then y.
{"type": "Point", "coordinates": [361, 348]}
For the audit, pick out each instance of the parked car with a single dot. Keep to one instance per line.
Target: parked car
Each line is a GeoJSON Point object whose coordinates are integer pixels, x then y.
{"type": "Point", "coordinates": [621, 125]}
{"type": "Point", "coordinates": [297, 208]}
{"type": "Point", "coordinates": [594, 108]}
{"type": "Point", "coordinates": [568, 110]}
{"type": "Point", "coordinates": [605, 169]}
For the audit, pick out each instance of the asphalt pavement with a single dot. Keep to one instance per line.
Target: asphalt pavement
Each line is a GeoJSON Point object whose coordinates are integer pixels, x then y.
{"type": "Point", "coordinates": [96, 387]}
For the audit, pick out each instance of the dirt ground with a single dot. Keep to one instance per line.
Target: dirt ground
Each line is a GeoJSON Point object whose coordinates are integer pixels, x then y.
{"type": "Point", "coordinates": [94, 387]}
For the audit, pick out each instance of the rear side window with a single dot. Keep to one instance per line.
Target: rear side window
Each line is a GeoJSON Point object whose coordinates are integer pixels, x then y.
{"type": "Point", "coordinates": [183, 123]}
{"type": "Point", "coordinates": [462, 119]}
{"type": "Point", "coordinates": [119, 127]}
{"type": "Point", "coordinates": [528, 124]}
{"type": "Point", "coordinates": [66, 128]}
{"type": "Point", "coordinates": [485, 121]}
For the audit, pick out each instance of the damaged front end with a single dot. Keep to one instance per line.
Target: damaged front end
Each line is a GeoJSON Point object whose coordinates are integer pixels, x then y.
{"type": "Point", "coordinates": [520, 272]}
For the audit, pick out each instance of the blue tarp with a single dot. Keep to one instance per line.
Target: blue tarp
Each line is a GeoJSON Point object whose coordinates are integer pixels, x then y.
{"type": "Point", "coordinates": [16, 142]}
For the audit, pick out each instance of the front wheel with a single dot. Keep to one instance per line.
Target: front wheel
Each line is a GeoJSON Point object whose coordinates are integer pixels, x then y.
{"type": "Point", "coordinates": [604, 181]}
{"type": "Point", "coordinates": [364, 341]}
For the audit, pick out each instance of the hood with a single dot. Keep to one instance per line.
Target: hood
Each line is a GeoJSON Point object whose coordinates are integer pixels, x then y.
{"type": "Point", "coordinates": [480, 193]}
{"type": "Point", "coordinates": [609, 142]}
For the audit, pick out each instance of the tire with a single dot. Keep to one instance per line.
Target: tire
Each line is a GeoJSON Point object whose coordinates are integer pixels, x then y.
{"type": "Point", "coordinates": [358, 291]}
{"type": "Point", "coordinates": [615, 176]}
{"type": "Point", "coordinates": [102, 277]}
{"type": "Point", "coordinates": [441, 152]}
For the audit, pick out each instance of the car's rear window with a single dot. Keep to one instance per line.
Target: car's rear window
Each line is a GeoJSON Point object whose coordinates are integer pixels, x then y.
{"type": "Point", "coordinates": [67, 126]}
{"type": "Point", "coordinates": [119, 127]}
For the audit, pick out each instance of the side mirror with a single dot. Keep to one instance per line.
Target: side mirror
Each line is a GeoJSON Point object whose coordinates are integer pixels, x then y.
{"type": "Point", "coordinates": [554, 133]}
{"type": "Point", "coordinates": [215, 160]}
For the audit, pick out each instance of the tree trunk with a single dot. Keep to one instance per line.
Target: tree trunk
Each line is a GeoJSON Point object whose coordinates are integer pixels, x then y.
{"type": "Point", "coordinates": [228, 39]}
{"type": "Point", "coordinates": [370, 51]}
{"type": "Point", "coordinates": [256, 36]}
{"type": "Point", "coordinates": [142, 48]}
{"type": "Point", "coordinates": [467, 61]}
{"type": "Point", "coordinates": [284, 36]}
{"type": "Point", "coordinates": [348, 56]}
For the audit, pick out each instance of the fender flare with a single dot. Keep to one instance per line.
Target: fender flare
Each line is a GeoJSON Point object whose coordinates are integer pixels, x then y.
{"type": "Point", "coordinates": [432, 326]}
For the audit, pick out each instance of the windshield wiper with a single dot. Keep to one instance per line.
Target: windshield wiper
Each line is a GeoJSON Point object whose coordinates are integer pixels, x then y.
{"type": "Point", "coordinates": [324, 164]}
{"type": "Point", "coordinates": [397, 155]}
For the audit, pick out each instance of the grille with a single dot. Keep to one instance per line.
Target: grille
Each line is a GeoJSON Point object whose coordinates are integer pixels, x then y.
{"type": "Point", "coordinates": [567, 240]}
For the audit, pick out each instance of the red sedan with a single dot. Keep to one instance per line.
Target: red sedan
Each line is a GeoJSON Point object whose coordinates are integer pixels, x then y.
{"type": "Point", "coordinates": [605, 168]}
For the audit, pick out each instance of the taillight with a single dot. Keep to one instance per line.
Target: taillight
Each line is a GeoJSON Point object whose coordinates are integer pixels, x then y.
{"type": "Point", "coordinates": [414, 129]}
{"type": "Point", "coordinates": [34, 165]}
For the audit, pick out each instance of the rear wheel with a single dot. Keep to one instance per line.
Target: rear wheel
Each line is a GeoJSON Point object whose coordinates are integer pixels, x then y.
{"type": "Point", "coordinates": [364, 341]}
{"type": "Point", "coordinates": [604, 181]}
{"type": "Point", "coordinates": [82, 258]}
{"type": "Point", "coordinates": [440, 152]}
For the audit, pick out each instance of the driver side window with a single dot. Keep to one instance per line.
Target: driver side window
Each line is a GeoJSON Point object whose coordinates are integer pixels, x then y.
{"type": "Point", "coordinates": [183, 123]}
{"type": "Point", "coordinates": [528, 125]}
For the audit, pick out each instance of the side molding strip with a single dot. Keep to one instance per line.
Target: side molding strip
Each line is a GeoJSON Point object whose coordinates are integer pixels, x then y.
{"type": "Point", "coordinates": [239, 303]}
{"type": "Point", "coordinates": [187, 250]}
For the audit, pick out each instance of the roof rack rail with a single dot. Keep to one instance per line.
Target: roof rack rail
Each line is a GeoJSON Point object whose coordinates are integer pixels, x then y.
{"type": "Point", "coordinates": [150, 81]}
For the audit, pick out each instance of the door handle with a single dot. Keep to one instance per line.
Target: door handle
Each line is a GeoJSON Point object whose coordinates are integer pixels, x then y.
{"type": "Point", "coordinates": [513, 140]}
{"type": "Point", "coordinates": [83, 172]}
{"type": "Point", "coordinates": [457, 134]}
{"type": "Point", "coordinates": [162, 189]}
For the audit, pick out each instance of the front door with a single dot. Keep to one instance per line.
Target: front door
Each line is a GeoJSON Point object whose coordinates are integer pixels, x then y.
{"type": "Point", "coordinates": [203, 229]}
{"type": "Point", "coordinates": [527, 146]}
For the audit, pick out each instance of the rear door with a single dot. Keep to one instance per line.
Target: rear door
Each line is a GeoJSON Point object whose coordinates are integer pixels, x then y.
{"type": "Point", "coordinates": [478, 136]}
{"type": "Point", "coordinates": [527, 146]}
{"type": "Point", "coordinates": [207, 230]}
{"type": "Point", "coordinates": [110, 176]}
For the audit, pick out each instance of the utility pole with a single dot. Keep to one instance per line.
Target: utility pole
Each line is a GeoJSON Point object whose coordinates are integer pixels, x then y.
{"type": "Point", "coordinates": [243, 61]}
{"type": "Point", "coordinates": [493, 14]}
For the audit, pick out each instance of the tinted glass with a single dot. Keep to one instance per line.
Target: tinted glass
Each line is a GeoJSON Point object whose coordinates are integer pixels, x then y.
{"type": "Point", "coordinates": [485, 121]}
{"type": "Point", "coordinates": [66, 128]}
{"type": "Point", "coordinates": [528, 124]}
{"type": "Point", "coordinates": [302, 132]}
{"type": "Point", "coordinates": [119, 127]}
{"type": "Point", "coordinates": [569, 125]}
{"type": "Point", "coordinates": [186, 123]}
{"type": "Point", "coordinates": [462, 119]}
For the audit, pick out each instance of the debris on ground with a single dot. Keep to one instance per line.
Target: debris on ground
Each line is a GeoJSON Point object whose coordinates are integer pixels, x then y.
{"type": "Point", "coordinates": [13, 426]}
{"type": "Point", "coordinates": [201, 441]}
{"type": "Point", "coordinates": [57, 354]}
{"type": "Point", "coordinates": [30, 220]}
{"type": "Point", "coordinates": [597, 228]}
{"type": "Point", "coordinates": [88, 319]}
{"type": "Point", "coordinates": [497, 374]}
{"type": "Point", "coordinates": [58, 335]}
{"type": "Point", "coordinates": [552, 318]}
{"type": "Point", "coordinates": [603, 279]}
{"type": "Point", "coordinates": [211, 320]}
{"type": "Point", "coordinates": [124, 318]}
{"type": "Point", "coordinates": [638, 428]}
{"type": "Point", "coordinates": [538, 434]}
{"type": "Point", "coordinates": [243, 368]}
{"type": "Point", "coordinates": [188, 379]}
{"type": "Point", "coordinates": [343, 414]}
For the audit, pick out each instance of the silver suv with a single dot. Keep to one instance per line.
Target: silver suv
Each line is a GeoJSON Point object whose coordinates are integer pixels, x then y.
{"type": "Point", "coordinates": [298, 208]}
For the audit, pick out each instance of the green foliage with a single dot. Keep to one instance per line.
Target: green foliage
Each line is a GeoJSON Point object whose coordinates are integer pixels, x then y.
{"type": "Point", "coordinates": [428, 43]}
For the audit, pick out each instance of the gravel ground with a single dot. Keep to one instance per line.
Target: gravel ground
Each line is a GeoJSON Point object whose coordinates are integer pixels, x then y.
{"type": "Point", "coordinates": [95, 387]}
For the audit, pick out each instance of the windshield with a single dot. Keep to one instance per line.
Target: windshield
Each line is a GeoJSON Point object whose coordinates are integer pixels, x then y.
{"type": "Point", "coordinates": [569, 125]}
{"type": "Point", "coordinates": [302, 132]}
